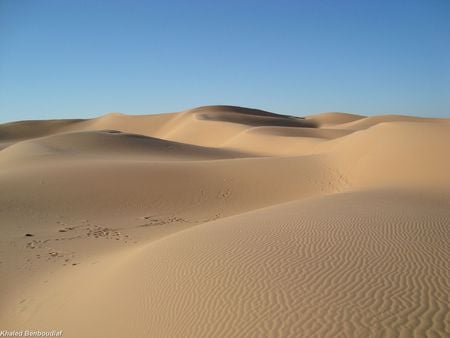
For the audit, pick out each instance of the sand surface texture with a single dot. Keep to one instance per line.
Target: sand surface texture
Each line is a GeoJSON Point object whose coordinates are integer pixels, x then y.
{"type": "Point", "coordinates": [225, 221]}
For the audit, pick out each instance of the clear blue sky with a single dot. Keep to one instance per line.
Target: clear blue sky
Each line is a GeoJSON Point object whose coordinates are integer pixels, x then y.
{"type": "Point", "coordinates": [62, 58]}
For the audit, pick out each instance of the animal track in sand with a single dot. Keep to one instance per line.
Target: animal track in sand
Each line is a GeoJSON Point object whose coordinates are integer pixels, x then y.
{"type": "Point", "coordinates": [103, 232]}
{"type": "Point", "coordinates": [224, 194]}
{"type": "Point", "coordinates": [154, 220]}
{"type": "Point", "coordinates": [46, 251]}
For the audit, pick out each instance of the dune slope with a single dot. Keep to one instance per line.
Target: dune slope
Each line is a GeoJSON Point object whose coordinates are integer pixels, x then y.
{"type": "Point", "coordinates": [364, 264]}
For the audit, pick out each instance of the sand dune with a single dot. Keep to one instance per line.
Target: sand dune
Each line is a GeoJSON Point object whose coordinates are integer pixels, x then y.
{"type": "Point", "coordinates": [371, 121]}
{"type": "Point", "coordinates": [225, 221]}
{"type": "Point", "coordinates": [112, 143]}
{"type": "Point", "coordinates": [330, 119]}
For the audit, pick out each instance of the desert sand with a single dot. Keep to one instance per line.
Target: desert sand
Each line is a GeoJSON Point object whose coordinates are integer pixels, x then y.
{"type": "Point", "coordinates": [225, 221]}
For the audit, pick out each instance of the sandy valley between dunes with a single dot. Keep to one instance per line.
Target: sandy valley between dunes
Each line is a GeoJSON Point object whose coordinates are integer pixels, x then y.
{"type": "Point", "coordinates": [224, 221]}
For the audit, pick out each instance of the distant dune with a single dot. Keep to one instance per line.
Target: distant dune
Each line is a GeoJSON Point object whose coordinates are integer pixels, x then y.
{"type": "Point", "coordinates": [225, 221]}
